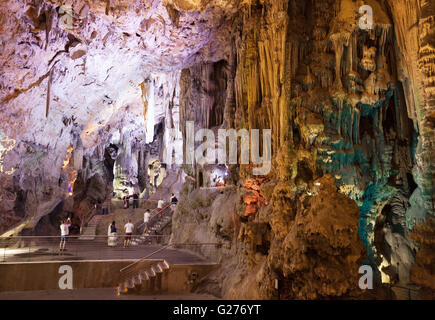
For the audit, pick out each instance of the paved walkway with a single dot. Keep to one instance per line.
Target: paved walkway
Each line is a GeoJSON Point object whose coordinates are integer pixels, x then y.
{"type": "Point", "coordinates": [94, 250]}
{"type": "Point", "coordinates": [93, 294]}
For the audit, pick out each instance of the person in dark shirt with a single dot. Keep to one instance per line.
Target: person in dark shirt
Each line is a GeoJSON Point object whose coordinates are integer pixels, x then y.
{"type": "Point", "coordinates": [174, 199]}
{"type": "Point", "coordinates": [174, 202]}
{"type": "Point", "coordinates": [135, 200]}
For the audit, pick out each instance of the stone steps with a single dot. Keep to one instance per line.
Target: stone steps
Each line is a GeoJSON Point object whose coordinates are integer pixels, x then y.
{"type": "Point", "coordinates": [90, 231]}
{"type": "Point", "coordinates": [406, 292]}
{"type": "Point", "coordinates": [146, 279]}
{"type": "Point", "coordinates": [162, 192]}
{"type": "Point", "coordinates": [156, 228]}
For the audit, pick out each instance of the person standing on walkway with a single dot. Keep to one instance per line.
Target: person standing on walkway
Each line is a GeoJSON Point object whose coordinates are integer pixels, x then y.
{"type": "Point", "coordinates": [112, 235]}
{"type": "Point", "coordinates": [126, 200]}
{"type": "Point", "coordinates": [135, 200]}
{"type": "Point", "coordinates": [64, 232]}
{"type": "Point", "coordinates": [106, 206]}
{"type": "Point", "coordinates": [160, 204]}
{"type": "Point", "coordinates": [146, 220]}
{"type": "Point", "coordinates": [174, 202]}
{"type": "Point", "coordinates": [129, 227]}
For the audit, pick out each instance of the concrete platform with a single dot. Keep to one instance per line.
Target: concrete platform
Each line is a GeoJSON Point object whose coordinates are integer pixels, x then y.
{"type": "Point", "coordinates": [93, 266]}
{"type": "Point", "coordinates": [77, 250]}
{"type": "Point", "coordinates": [93, 294]}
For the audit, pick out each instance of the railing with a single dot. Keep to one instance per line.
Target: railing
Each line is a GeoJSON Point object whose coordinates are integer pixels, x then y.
{"type": "Point", "coordinates": [29, 248]}
{"type": "Point", "coordinates": [46, 248]}
{"type": "Point", "coordinates": [137, 266]}
{"type": "Point", "coordinates": [119, 203]}
{"type": "Point", "coordinates": [85, 224]}
{"type": "Point", "coordinates": [411, 292]}
{"type": "Point", "coordinates": [155, 217]}
{"type": "Point", "coordinates": [134, 268]}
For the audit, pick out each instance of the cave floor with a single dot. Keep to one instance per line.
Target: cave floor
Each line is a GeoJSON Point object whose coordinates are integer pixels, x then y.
{"type": "Point", "coordinates": [78, 250]}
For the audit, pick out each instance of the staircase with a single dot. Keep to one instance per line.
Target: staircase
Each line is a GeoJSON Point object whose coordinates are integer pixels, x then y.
{"type": "Point", "coordinates": [144, 280]}
{"type": "Point", "coordinates": [90, 231]}
{"type": "Point", "coordinates": [406, 292]}
{"type": "Point", "coordinates": [155, 227]}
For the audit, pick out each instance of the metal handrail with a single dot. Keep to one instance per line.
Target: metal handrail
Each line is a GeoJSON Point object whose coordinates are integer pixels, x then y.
{"type": "Point", "coordinates": [154, 215]}
{"type": "Point", "coordinates": [171, 245]}
{"type": "Point", "coordinates": [146, 257]}
{"type": "Point", "coordinates": [12, 249]}
{"type": "Point", "coordinates": [83, 224]}
{"type": "Point", "coordinates": [402, 287]}
{"type": "Point", "coordinates": [69, 236]}
{"type": "Point", "coordinates": [74, 236]}
{"type": "Point", "coordinates": [114, 199]}
{"type": "Point", "coordinates": [123, 277]}
{"type": "Point", "coordinates": [408, 289]}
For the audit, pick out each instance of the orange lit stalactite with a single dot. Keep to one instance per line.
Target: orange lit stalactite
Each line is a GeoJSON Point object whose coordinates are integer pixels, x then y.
{"type": "Point", "coordinates": [253, 197]}
{"type": "Point", "coordinates": [69, 170]}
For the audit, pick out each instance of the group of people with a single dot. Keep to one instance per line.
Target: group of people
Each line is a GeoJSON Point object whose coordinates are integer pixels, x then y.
{"type": "Point", "coordinates": [126, 200]}
{"type": "Point", "coordinates": [112, 233]}
{"type": "Point", "coordinates": [112, 230]}
{"type": "Point", "coordinates": [113, 236]}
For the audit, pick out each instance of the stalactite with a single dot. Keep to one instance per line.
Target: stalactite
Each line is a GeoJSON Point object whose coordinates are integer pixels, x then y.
{"type": "Point", "coordinates": [47, 105]}
{"type": "Point", "coordinates": [78, 157]}
{"type": "Point", "coordinates": [144, 96]}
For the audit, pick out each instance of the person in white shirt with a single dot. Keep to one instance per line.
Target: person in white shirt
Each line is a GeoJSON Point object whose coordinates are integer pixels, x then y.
{"type": "Point", "coordinates": [146, 219]}
{"type": "Point", "coordinates": [129, 227]}
{"type": "Point", "coordinates": [160, 204]}
{"type": "Point", "coordinates": [112, 235]}
{"type": "Point", "coordinates": [64, 232]}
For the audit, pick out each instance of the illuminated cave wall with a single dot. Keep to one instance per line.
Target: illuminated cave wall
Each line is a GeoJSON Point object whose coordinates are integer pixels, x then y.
{"type": "Point", "coordinates": [340, 99]}
{"type": "Point", "coordinates": [356, 105]}
{"type": "Point", "coordinates": [350, 109]}
{"type": "Point", "coordinates": [89, 74]}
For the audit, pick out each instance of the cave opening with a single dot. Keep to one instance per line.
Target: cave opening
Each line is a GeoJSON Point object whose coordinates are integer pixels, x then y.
{"type": "Point", "coordinates": [366, 127]}
{"type": "Point", "coordinates": [389, 123]}
{"type": "Point", "coordinates": [218, 77]}
{"type": "Point", "coordinates": [412, 185]}
{"type": "Point", "coordinates": [200, 179]}
{"type": "Point", "coordinates": [296, 135]}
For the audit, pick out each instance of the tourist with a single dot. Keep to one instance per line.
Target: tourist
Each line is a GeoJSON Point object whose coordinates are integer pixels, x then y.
{"type": "Point", "coordinates": [135, 200]}
{"type": "Point", "coordinates": [98, 207]}
{"type": "Point", "coordinates": [112, 235]}
{"type": "Point", "coordinates": [106, 206]}
{"type": "Point", "coordinates": [146, 220]}
{"type": "Point", "coordinates": [156, 177]}
{"type": "Point", "coordinates": [129, 227]}
{"type": "Point", "coordinates": [160, 204]}
{"type": "Point", "coordinates": [174, 201]}
{"type": "Point", "coordinates": [126, 200]}
{"type": "Point", "coordinates": [64, 232]}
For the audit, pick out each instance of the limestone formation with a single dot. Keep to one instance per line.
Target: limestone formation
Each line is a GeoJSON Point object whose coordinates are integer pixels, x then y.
{"type": "Point", "coordinates": [90, 90]}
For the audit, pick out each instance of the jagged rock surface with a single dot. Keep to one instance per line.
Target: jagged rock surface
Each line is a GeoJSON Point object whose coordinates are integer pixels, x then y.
{"type": "Point", "coordinates": [88, 90]}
